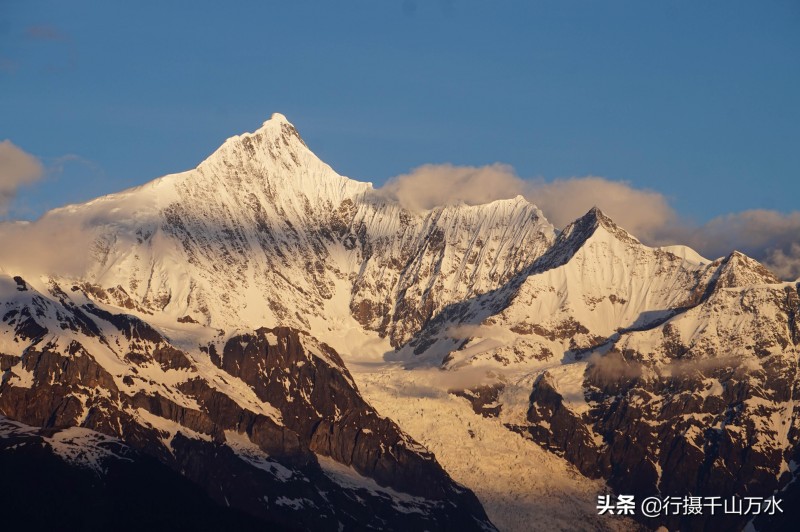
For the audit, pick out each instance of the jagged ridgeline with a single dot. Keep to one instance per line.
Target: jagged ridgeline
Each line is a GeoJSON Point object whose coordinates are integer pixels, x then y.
{"type": "Point", "coordinates": [218, 328]}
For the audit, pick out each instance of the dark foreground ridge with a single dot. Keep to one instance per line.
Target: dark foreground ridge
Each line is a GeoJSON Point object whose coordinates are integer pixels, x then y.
{"type": "Point", "coordinates": [201, 436]}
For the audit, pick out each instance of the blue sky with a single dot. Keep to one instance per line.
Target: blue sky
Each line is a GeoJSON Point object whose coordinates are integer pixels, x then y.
{"type": "Point", "coordinates": [696, 100]}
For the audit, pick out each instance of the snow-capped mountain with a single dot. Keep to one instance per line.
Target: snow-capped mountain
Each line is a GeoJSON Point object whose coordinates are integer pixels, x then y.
{"type": "Point", "coordinates": [224, 323]}
{"type": "Point", "coordinates": [660, 371]}
{"type": "Point", "coordinates": [593, 281]}
{"type": "Point", "coordinates": [263, 233]}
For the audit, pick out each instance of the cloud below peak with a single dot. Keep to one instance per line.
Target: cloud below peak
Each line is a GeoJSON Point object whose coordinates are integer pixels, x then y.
{"type": "Point", "coordinates": [431, 185]}
{"type": "Point", "coordinates": [17, 168]}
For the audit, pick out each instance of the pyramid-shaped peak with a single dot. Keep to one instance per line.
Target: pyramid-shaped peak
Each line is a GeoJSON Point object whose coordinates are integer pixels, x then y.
{"type": "Point", "coordinates": [278, 117]}
{"type": "Point", "coordinates": [737, 270]}
{"type": "Point", "coordinates": [277, 125]}
{"type": "Point", "coordinates": [273, 161]}
{"type": "Point", "coordinates": [596, 217]}
{"type": "Point", "coordinates": [276, 138]}
{"type": "Point", "coordinates": [586, 225]}
{"type": "Point", "coordinates": [575, 235]}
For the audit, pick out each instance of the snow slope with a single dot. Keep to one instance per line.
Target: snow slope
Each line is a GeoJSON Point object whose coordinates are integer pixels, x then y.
{"type": "Point", "coordinates": [522, 486]}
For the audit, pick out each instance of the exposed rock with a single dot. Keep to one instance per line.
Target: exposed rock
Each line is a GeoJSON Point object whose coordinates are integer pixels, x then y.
{"type": "Point", "coordinates": [484, 399]}
{"type": "Point", "coordinates": [258, 455]}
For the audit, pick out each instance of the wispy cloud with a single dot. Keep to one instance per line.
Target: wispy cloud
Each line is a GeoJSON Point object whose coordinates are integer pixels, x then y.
{"type": "Point", "coordinates": [55, 167]}
{"type": "Point", "coordinates": [47, 245]}
{"type": "Point", "coordinates": [769, 236]}
{"type": "Point", "coordinates": [45, 32]}
{"type": "Point", "coordinates": [63, 53]}
{"type": "Point", "coordinates": [17, 168]}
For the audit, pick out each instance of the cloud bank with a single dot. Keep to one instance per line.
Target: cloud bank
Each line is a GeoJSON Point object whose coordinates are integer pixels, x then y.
{"type": "Point", "coordinates": [17, 168]}
{"type": "Point", "coordinates": [43, 247]}
{"type": "Point", "coordinates": [768, 236]}
{"type": "Point", "coordinates": [432, 185]}
{"type": "Point", "coordinates": [643, 213]}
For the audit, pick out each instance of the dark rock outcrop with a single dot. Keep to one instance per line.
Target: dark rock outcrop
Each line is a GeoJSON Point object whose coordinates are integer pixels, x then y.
{"type": "Point", "coordinates": [256, 454]}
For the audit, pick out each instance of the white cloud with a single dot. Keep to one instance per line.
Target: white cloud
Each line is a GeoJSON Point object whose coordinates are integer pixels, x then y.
{"type": "Point", "coordinates": [749, 231]}
{"type": "Point", "coordinates": [432, 185]}
{"type": "Point", "coordinates": [47, 246]}
{"type": "Point", "coordinates": [644, 213]}
{"type": "Point", "coordinates": [17, 168]}
{"type": "Point", "coordinates": [768, 236]}
{"type": "Point", "coordinates": [785, 263]}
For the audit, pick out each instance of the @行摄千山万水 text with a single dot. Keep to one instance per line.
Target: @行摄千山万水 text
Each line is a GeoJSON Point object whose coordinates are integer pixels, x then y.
{"type": "Point", "coordinates": [655, 506]}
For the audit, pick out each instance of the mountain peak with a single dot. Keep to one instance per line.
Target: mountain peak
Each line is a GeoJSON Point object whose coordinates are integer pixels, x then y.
{"type": "Point", "coordinates": [278, 117]}
{"type": "Point", "coordinates": [587, 224]}
{"type": "Point", "coordinates": [278, 126]}
{"type": "Point", "coordinates": [268, 169]}
{"type": "Point", "coordinates": [597, 218]}
{"type": "Point", "coordinates": [275, 142]}
{"type": "Point", "coordinates": [276, 130]}
{"type": "Point", "coordinates": [737, 270]}
{"type": "Point", "coordinates": [575, 235]}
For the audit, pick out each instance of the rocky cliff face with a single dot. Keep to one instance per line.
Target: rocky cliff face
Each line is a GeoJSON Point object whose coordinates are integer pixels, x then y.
{"type": "Point", "coordinates": [704, 403]}
{"type": "Point", "coordinates": [269, 423]}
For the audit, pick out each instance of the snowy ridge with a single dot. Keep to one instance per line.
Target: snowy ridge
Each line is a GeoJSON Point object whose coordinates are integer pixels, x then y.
{"type": "Point", "coordinates": [595, 280]}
